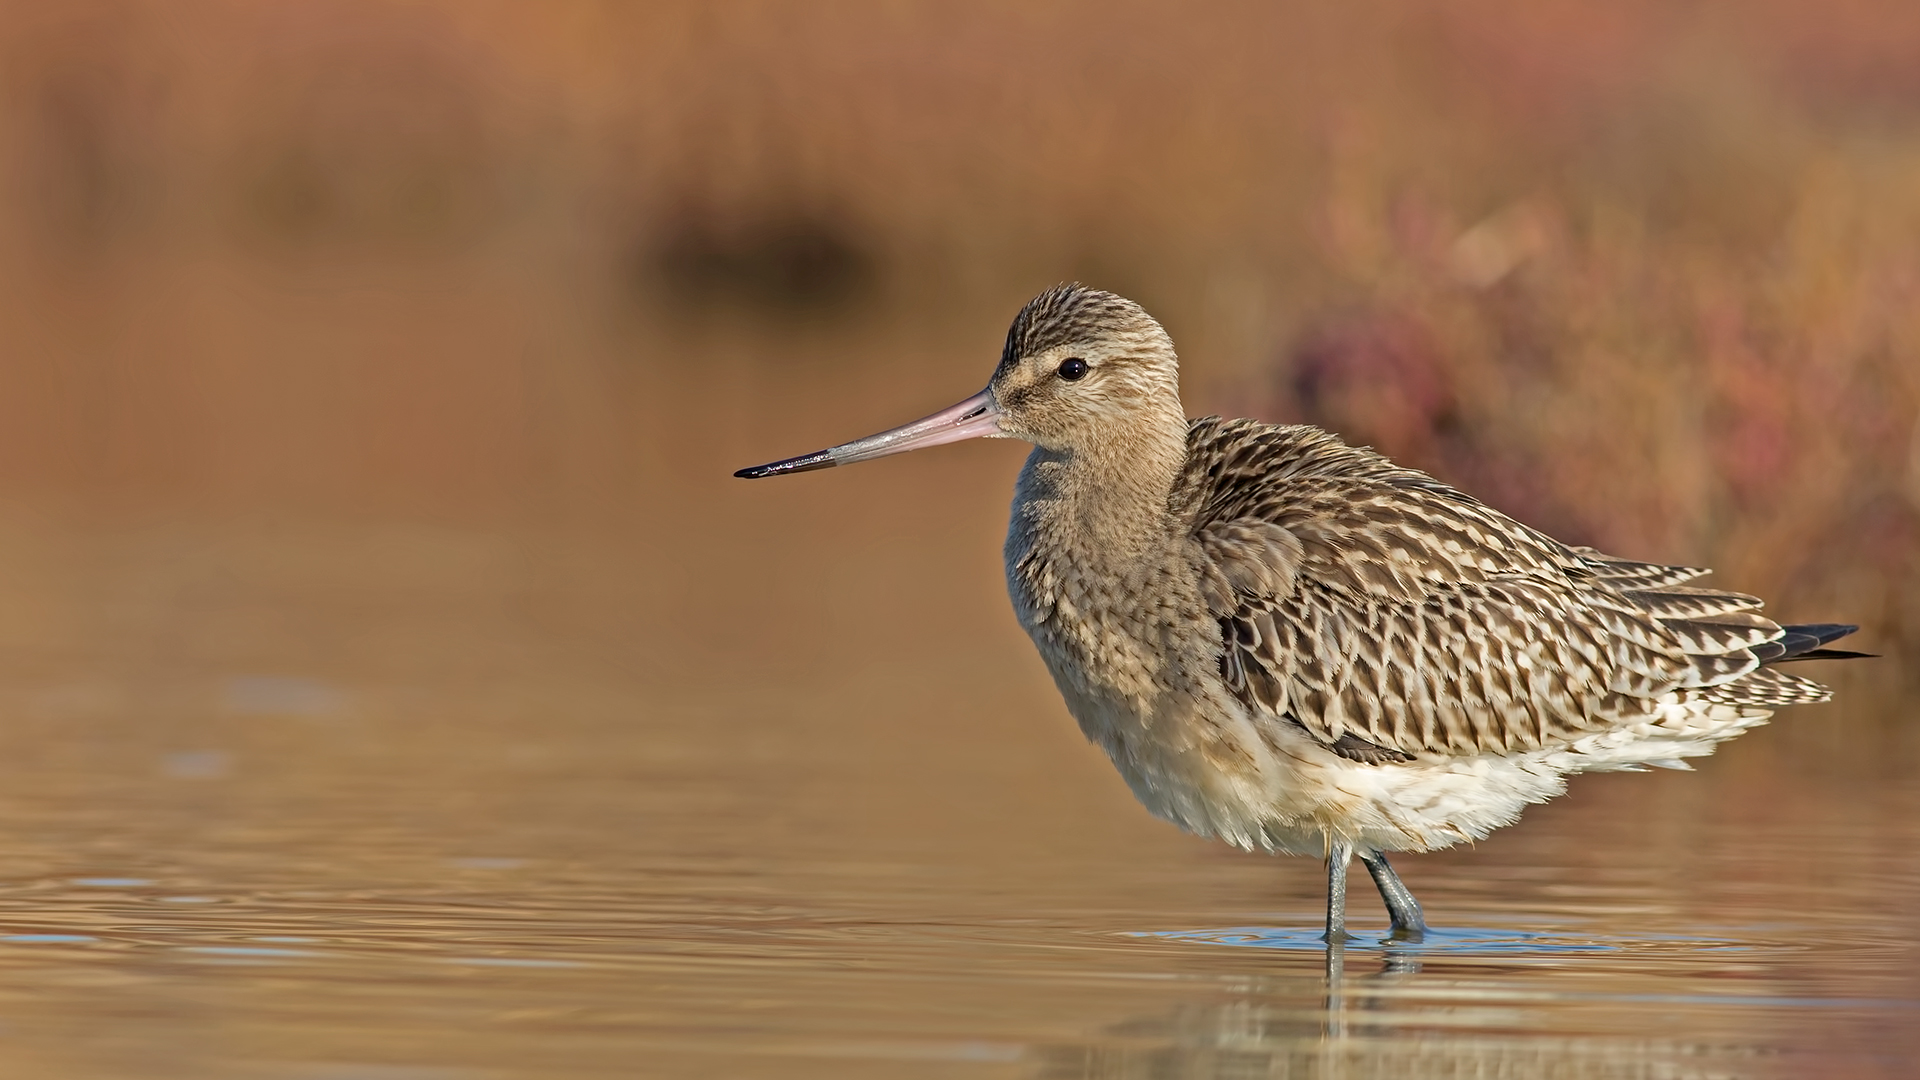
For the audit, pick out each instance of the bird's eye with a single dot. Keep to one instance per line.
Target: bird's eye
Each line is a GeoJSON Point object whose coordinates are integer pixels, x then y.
{"type": "Point", "coordinates": [1072, 368]}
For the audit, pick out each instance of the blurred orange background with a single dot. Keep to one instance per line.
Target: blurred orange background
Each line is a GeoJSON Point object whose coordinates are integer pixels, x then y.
{"type": "Point", "coordinates": [1646, 275]}
{"type": "Point", "coordinates": [371, 377]}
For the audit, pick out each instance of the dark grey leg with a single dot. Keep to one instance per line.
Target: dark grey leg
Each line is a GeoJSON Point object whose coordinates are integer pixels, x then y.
{"type": "Point", "coordinates": [1408, 925]}
{"type": "Point", "coordinates": [1338, 853]}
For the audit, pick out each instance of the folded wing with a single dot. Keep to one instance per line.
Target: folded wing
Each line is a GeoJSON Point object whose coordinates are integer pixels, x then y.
{"type": "Point", "coordinates": [1393, 617]}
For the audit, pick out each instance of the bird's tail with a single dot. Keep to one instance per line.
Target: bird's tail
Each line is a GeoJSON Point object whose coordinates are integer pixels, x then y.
{"type": "Point", "coordinates": [1804, 641]}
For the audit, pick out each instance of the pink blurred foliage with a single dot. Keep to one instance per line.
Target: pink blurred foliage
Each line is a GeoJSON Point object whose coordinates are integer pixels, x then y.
{"type": "Point", "coordinates": [1648, 394]}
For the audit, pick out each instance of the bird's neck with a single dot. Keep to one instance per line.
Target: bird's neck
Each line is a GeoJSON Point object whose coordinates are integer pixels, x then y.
{"type": "Point", "coordinates": [1107, 499]}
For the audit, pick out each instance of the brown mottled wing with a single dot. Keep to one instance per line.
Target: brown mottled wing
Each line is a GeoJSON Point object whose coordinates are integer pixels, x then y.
{"type": "Point", "coordinates": [1392, 616]}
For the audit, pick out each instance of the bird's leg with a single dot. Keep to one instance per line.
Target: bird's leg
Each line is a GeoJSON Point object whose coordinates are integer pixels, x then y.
{"type": "Point", "coordinates": [1338, 853]}
{"type": "Point", "coordinates": [1408, 925]}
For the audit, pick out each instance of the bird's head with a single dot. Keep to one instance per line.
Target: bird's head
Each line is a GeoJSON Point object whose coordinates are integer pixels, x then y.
{"type": "Point", "coordinates": [1081, 369]}
{"type": "Point", "coordinates": [1080, 366]}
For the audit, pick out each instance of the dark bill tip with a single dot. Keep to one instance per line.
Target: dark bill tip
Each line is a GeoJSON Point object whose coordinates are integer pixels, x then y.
{"type": "Point", "coordinates": [819, 459]}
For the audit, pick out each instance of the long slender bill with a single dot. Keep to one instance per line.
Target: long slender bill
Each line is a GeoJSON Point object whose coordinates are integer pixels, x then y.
{"type": "Point", "coordinates": [977, 416]}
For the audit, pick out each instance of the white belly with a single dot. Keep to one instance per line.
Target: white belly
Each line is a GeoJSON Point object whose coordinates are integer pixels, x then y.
{"type": "Point", "coordinates": [1280, 790]}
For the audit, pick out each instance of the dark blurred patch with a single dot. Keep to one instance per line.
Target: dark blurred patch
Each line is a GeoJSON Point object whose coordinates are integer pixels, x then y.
{"type": "Point", "coordinates": [86, 159]}
{"type": "Point", "coordinates": [81, 184]}
{"type": "Point", "coordinates": [385, 141]}
{"type": "Point", "coordinates": [789, 261]}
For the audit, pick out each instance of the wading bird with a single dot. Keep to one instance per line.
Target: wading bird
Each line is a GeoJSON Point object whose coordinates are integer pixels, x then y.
{"type": "Point", "coordinates": [1295, 645]}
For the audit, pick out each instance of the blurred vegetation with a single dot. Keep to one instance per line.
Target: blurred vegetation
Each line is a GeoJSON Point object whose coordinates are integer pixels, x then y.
{"type": "Point", "coordinates": [1645, 274]}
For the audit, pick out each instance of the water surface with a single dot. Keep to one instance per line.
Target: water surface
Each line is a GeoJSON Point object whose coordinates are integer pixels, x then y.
{"type": "Point", "coordinates": [402, 803]}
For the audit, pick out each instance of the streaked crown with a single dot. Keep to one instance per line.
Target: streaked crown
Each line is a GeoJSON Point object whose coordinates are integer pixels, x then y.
{"type": "Point", "coordinates": [1073, 314]}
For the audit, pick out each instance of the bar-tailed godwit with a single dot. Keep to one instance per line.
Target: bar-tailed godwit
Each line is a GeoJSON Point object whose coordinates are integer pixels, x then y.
{"type": "Point", "coordinates": [1295, 645]}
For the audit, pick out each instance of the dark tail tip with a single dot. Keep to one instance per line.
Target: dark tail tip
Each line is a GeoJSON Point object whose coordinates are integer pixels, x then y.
{"type": "Point", "coordinates": [1803, 641]}
{"type": "Point", "coordinates": [1829, 654]}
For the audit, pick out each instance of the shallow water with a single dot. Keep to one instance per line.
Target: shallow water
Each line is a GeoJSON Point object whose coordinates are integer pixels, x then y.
{"type": "Point", "coordinates": [401, 803]}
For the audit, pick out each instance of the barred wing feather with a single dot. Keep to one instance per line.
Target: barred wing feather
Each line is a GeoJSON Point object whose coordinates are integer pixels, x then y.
{"type": "Point", "coordinates": [1393, 617]}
